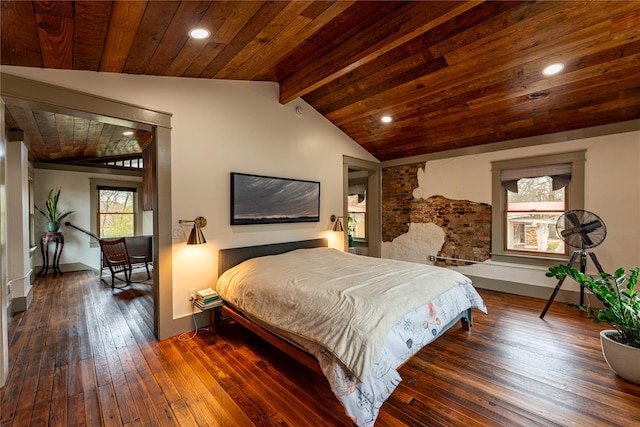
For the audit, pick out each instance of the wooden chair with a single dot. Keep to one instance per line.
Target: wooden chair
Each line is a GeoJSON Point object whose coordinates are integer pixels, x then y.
{"type": "Point", "coordinates": [116, 256]}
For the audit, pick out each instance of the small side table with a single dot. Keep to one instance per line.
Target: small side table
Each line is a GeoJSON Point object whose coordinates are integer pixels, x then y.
{"type": "Point", "coordinates": [216, 317]}
{"type": "Point", "coordinates": [49, 237]}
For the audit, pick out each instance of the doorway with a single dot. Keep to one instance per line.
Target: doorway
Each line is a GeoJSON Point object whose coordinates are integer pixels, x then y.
{"type": "Point", "coordinates": [362, 195]}
{"type": "Point", "coordinates": [40, 96]}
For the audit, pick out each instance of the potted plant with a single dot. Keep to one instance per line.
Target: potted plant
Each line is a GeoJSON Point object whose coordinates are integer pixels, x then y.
{"type": "Point", "coordinates": [621, 310]}
{"type": "Point", "coordinates": [54, 218]}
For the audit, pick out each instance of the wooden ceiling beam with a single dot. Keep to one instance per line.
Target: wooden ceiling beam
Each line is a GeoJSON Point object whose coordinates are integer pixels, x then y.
{"type": "Point", "coordinates": [459, 73]}
{"type": "Point", "coordinates": [500, 70]}
{"type": "Point", "coordinates": [361, 50]}
{"type": "Point", "coordinates": [404, 63]}
{"type": "Point", "coordinates": [278, 46]}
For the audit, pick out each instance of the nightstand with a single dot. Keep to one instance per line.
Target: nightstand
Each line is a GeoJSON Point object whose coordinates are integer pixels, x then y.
{"type": "Point", "coordinates": [214, 313]}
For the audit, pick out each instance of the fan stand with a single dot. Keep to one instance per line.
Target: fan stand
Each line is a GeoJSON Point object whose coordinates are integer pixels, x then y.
{"type": "Point", "coordinates": [583, 268]}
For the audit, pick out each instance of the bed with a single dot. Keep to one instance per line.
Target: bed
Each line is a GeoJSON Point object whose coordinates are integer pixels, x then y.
{"type": "Point", "coordinates": [354, 319]}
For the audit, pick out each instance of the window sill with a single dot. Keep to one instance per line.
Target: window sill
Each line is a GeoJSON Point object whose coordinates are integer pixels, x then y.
{"type": "Point", "coordinates": [536, 260]}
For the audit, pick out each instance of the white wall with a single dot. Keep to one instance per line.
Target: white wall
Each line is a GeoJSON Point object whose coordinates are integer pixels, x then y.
{"type": "Point", "coordinates": [612, 191]}
{"type": "Point", "coordinates": [4, 296]}
{"type": "Point", "coordinates": [74, 196]}
{"type": "Point", "coordinates": [17, 187]}
{"type": "Point", "coordinates": [220, 127]}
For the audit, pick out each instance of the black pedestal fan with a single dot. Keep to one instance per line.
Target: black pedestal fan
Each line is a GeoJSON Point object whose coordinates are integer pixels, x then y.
{"type": "Point", "coordinates": [584, 230]}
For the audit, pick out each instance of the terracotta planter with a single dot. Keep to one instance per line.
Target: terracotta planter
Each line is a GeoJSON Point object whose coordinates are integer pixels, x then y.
{"type": "Point", "coordinates": [622, 359]}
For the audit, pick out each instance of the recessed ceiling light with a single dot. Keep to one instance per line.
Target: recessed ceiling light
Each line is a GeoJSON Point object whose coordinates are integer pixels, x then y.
{"type": "Point", "coordinates": [552, 69]}
{"type": "Point", "coordinates": [199, 33]}
{"type": "Point", "coordinates": [386, 119]}
{"type": "Point", "coordinates": [127, 133]}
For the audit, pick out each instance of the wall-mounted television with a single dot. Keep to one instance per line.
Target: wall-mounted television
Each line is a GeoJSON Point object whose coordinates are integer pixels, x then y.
{"type": "Point", "coordinates": [257, 199]}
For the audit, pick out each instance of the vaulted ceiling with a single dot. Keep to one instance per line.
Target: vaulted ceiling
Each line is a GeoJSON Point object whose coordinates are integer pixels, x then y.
{"type": "Point", "coordinates": [449, 74]}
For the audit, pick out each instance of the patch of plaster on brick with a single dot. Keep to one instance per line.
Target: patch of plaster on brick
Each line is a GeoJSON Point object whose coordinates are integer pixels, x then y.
{"type": "Point", "coordinates": [422, 240]}
{"type": "Point", "coordinates": [422, 183]}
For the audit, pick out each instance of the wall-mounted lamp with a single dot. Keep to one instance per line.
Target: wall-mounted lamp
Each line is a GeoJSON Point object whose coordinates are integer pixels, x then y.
{"type": "Point", "coordinates": [196, 237]}
{"type": "Point", "coordinates": [337, 224]}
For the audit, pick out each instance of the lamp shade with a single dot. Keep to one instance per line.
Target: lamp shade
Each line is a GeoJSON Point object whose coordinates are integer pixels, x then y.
{"type": "Point", "coordinates": [337, 224]}
{"type": "Point", "coordinates": [196, 237]}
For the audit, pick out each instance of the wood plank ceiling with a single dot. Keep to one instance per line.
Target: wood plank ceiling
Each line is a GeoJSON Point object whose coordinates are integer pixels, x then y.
{"type": "Point", "coordinates": [450, 74]}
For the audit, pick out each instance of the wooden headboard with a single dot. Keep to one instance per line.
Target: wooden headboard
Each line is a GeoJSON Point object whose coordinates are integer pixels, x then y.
{"type": "Point", "coordinates": [228, 258]}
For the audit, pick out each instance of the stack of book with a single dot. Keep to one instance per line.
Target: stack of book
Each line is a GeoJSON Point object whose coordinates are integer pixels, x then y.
{"type": "Point", "coordinates": [207, 299]}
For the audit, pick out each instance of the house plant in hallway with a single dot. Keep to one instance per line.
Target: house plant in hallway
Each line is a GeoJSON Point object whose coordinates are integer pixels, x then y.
{"type": "Point", "coordinates": [50, 212]}
{"type": "Point", "coordinates": [621, 310]}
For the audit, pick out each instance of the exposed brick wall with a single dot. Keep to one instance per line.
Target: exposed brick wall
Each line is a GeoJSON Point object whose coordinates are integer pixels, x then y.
{"type": "Point", "coordinates": [467, 224]}
{"type": "Point", "coordinates": [398, 183]}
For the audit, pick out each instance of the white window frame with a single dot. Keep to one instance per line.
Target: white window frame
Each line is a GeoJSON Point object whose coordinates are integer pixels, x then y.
{"type": "Point", "coordinates": [574, 194]}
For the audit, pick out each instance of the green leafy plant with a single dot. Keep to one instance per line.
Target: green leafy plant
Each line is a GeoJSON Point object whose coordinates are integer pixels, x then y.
{"type": "Point", "coordinates": [351, 225]}
{"type": "Point", "coordinates": [620, 300]}
{"type": "Point", "coordinates": [51, 208]}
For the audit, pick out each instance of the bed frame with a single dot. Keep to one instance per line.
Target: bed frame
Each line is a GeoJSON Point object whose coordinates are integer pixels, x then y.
{"type": "Point", "coordinates": [228, 258]}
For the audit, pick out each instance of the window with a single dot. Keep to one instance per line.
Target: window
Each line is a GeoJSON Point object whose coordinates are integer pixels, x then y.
{"type": "Point", "coordinates": [529, 195]}
{"type": "Point", "coordinates": [357, 204]}
{"type": "Point", "coordinates": [116, 214]}
{"type": "Point", "coordinates": [531, 216]}
{"type": "Point", "coordinates": [132, 162]}
{"type": "Point", "coordinates": [116, 208]}
{"type": "Point", "coordinates": [357, 221]}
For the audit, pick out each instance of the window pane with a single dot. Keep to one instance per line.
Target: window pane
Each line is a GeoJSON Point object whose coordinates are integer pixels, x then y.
{"type": "Point", "coordinates": [357, 221]}
{"type": "Point", "coordinates": [116, 201]}
{"type": "Point", "coordinates": [116, 225]}
{"type": "Point", "coordinates": [357, 224]}
{"type": "Point", "coordinates": [532, 214]}
{"type": "Point", "coordinates": [116, 213]}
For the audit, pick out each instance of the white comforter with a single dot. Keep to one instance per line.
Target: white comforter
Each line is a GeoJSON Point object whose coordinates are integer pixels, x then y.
{"type": "Point", "coordinates": [350, 302]}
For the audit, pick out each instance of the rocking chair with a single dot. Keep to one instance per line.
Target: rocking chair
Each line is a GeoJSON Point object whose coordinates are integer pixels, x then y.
{"type": "Point", "coordinates": [116, 256]}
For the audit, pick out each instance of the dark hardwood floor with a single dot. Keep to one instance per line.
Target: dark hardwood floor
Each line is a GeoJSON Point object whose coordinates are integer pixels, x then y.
{"type": "Point", "coordinates": [84, 355]}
